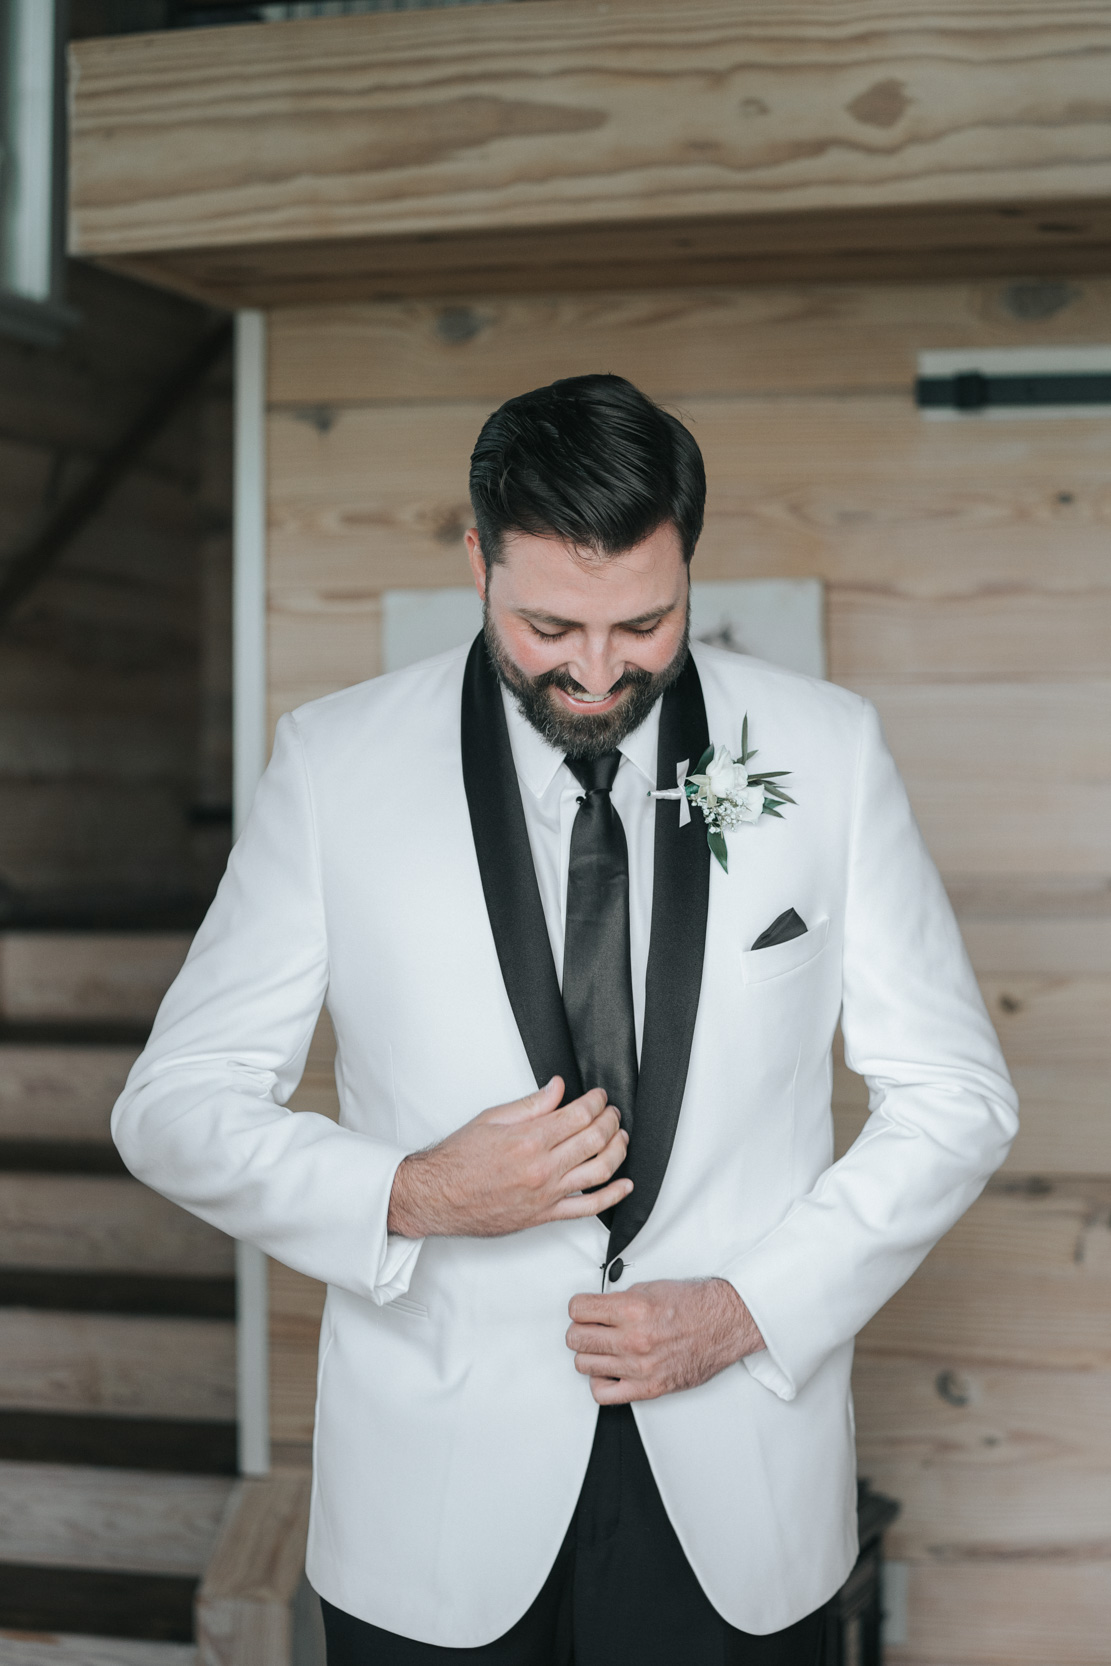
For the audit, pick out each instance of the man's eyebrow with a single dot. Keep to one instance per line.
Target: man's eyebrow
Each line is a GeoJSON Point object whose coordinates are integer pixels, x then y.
{"type": "Point", "coordinates": [539, 618]}
{"type": "Point", "coordinates": [553, 619]}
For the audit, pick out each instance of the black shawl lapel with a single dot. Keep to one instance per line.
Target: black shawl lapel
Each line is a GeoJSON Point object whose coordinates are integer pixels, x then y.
{"type": "Point", "coordinates": [509, 879]}
{"type": "Point", "coordinates": [680, 900]}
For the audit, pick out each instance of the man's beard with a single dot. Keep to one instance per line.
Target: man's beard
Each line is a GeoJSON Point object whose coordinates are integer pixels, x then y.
{"type": "Point", "coordinates": [579, 734]}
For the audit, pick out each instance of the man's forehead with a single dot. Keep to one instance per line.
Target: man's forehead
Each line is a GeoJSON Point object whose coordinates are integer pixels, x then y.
{"type": "Point", "coordinates": [549, 582]}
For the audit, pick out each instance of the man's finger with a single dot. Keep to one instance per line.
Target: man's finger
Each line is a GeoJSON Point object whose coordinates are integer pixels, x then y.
{"type": "Point", "coordinates": [545, 1099]}
{"type": "Point", "coordinates": [591, 1203]}
{"type": "Point", "coordinates": [608, 1392]}
{"type": "Point", "coordinates": [588, 1142]}
{"type": "Point", "coordinates": [594, 1339]}
{"type": "Point", "coordinates": [600, 1365]}
{"type": "Point", "coordinates": [576, 1117]}
{"type": "Point", "coordinates": [538, 1103]}
{"type": "Point", "coordinates": [599, 1169]}
{"type": "Point", "coordinates": [589, 1309]}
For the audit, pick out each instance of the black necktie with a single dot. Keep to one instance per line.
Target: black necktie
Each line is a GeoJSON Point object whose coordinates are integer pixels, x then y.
{"type": "Point", "coordinates": [597, 967]}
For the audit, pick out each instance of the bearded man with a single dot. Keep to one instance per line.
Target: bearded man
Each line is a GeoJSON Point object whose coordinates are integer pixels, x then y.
{"type": "Point", "coordinates": [584, 961]}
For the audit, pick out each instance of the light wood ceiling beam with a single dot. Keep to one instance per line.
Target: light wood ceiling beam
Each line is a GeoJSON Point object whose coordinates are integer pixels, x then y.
{"type": "Point", "coordinates": [467, 146]}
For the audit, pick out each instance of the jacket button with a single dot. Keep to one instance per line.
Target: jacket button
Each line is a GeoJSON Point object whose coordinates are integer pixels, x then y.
{"type": "Point", "coordinates": [617, 1267]}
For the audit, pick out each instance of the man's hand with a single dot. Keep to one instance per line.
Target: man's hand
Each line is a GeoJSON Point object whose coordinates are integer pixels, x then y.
{"type": "Point", "coordinates": [514, 1166]}
{"type": "Point", "coordinates": [656, 1338]}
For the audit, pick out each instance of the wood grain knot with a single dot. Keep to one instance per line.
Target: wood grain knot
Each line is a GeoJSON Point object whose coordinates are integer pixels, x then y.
{"type": "Point", "coordinates": [881, 105]}
{"type": "Point", "coordinates": [451, 529]}
{"type": "Point", "coordinates": [953, 1388]}
{"type": "Point", "coordinates": [457, 325]}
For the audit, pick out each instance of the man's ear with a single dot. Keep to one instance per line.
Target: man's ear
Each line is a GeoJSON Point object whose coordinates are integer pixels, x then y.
{"type": "Point", "coordinates": [477, 561]}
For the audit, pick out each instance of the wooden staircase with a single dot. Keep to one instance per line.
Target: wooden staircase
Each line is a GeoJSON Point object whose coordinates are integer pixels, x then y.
{"type": "Point", "coordinates": [117, 1335]}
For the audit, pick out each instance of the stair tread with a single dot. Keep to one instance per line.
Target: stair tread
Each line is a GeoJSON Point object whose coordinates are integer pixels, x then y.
{"type": "Point", "coordinates": [27, 1649]}
{"type": "Point", "coordinates": [160, 1444]}
{"type": "Point", "coordinates": [104, 1222]}
{"type": "Point", "coordinates": [127, 1521]}
{"type": "Point", "coordinates": [87, 976]}
{"type": "Point", "coordinates": [124, 1364]}
{"type": "Point", "coordinates": [61, 1089]}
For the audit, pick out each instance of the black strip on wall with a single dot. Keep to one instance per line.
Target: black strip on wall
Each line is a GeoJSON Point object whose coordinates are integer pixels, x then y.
{"type": "Point", "coordinates": [971, 390]}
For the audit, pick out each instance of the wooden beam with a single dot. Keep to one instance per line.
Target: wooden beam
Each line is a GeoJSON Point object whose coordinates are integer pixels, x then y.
{"type": "Point", "coordinates": [245, 1606]}
{"type": "Point", "coordinates": [559, 143]}
{"type": "Point", "coordinates": [986, 240]}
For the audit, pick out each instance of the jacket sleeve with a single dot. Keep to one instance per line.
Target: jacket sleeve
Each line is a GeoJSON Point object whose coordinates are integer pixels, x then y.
{"type": "Point", "coordinates": [942, 1109]}
{"type": "Point", "coordinates": [203, 1118]}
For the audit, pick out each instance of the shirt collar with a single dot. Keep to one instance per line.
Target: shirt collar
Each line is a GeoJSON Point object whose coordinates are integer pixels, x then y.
{"type": "Point", "coordinates": [538, 761]}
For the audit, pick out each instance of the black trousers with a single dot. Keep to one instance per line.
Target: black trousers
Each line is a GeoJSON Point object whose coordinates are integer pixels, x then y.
{"type": "Point", "coordinates": [621, 1592]}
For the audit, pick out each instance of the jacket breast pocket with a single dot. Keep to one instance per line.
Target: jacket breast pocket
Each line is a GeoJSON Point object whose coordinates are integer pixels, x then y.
{"type": "Point", "coordinates": [759, 965]}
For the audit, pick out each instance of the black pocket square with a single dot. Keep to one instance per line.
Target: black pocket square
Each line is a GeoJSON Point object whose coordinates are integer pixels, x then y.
{"type": "Point", "coordinates": [781, 930]}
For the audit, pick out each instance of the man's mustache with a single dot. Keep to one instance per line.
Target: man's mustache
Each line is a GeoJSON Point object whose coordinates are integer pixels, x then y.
{"type": "Point", "coordinates": [632, 677]}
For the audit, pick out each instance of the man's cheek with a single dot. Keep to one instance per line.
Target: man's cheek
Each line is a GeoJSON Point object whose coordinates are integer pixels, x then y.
{"type": "Point", "coordinates": [530, 655]}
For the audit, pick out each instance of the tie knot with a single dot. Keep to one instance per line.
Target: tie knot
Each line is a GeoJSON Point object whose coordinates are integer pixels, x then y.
{"type": "Point", "coordinates": [595, 774]}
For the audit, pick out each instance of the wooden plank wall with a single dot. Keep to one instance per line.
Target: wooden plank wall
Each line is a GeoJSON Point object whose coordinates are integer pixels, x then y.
{"type": "Point", "coordinates": [969, 595]}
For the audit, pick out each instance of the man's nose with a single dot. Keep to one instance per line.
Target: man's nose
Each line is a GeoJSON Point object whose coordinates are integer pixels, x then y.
{"type": "Point", "coordinates": [597, 668]}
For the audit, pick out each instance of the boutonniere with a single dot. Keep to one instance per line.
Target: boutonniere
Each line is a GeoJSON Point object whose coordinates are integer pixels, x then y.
{"type": "Point", "coordinates": [726, 792]}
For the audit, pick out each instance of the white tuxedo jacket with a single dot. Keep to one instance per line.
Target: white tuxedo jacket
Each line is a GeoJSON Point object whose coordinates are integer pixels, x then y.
{"type": "Point", "coordinates": [379, 873]}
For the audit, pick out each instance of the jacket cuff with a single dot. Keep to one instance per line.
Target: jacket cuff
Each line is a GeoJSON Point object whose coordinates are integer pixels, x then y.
{"type": "Point", "coordinates": [762, 1366]}
{"type": "Point", "coordinates": [396, 1268]}
{"type": "Point", "coordinates": [769, 1366]}
{"type": "Point", "coordinates": [396, 1261]}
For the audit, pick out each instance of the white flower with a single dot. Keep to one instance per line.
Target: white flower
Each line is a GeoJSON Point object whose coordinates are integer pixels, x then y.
{"type": "Point", "coordinates": [750, 803]}
{"type": "Point", "coordinates": [726, 795]}
{"type": "Point", "coordinates": [724, 778]}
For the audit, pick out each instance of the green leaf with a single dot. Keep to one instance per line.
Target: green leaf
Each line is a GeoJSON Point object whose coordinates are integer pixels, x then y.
{"type": "Point", "coordinates": [768, 811]}
{"type": "Point", "coordinates": [769, 774]}
{"type": "Point", "coordinates": [701, 766]}
{"type": "Point", "coordinates": [720, 849]}
{"type": "Point", "coordinates": [744, 740]}
{"type": "Point", "coordinates": [780, 796]}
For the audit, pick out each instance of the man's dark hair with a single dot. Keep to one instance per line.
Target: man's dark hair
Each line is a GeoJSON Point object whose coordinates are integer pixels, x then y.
{"type": "Point", "coordinates": [590, 460]}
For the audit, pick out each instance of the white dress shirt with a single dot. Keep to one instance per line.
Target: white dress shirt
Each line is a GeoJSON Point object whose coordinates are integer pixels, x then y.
{"type": "Point", "coordinates": [550, 795]}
